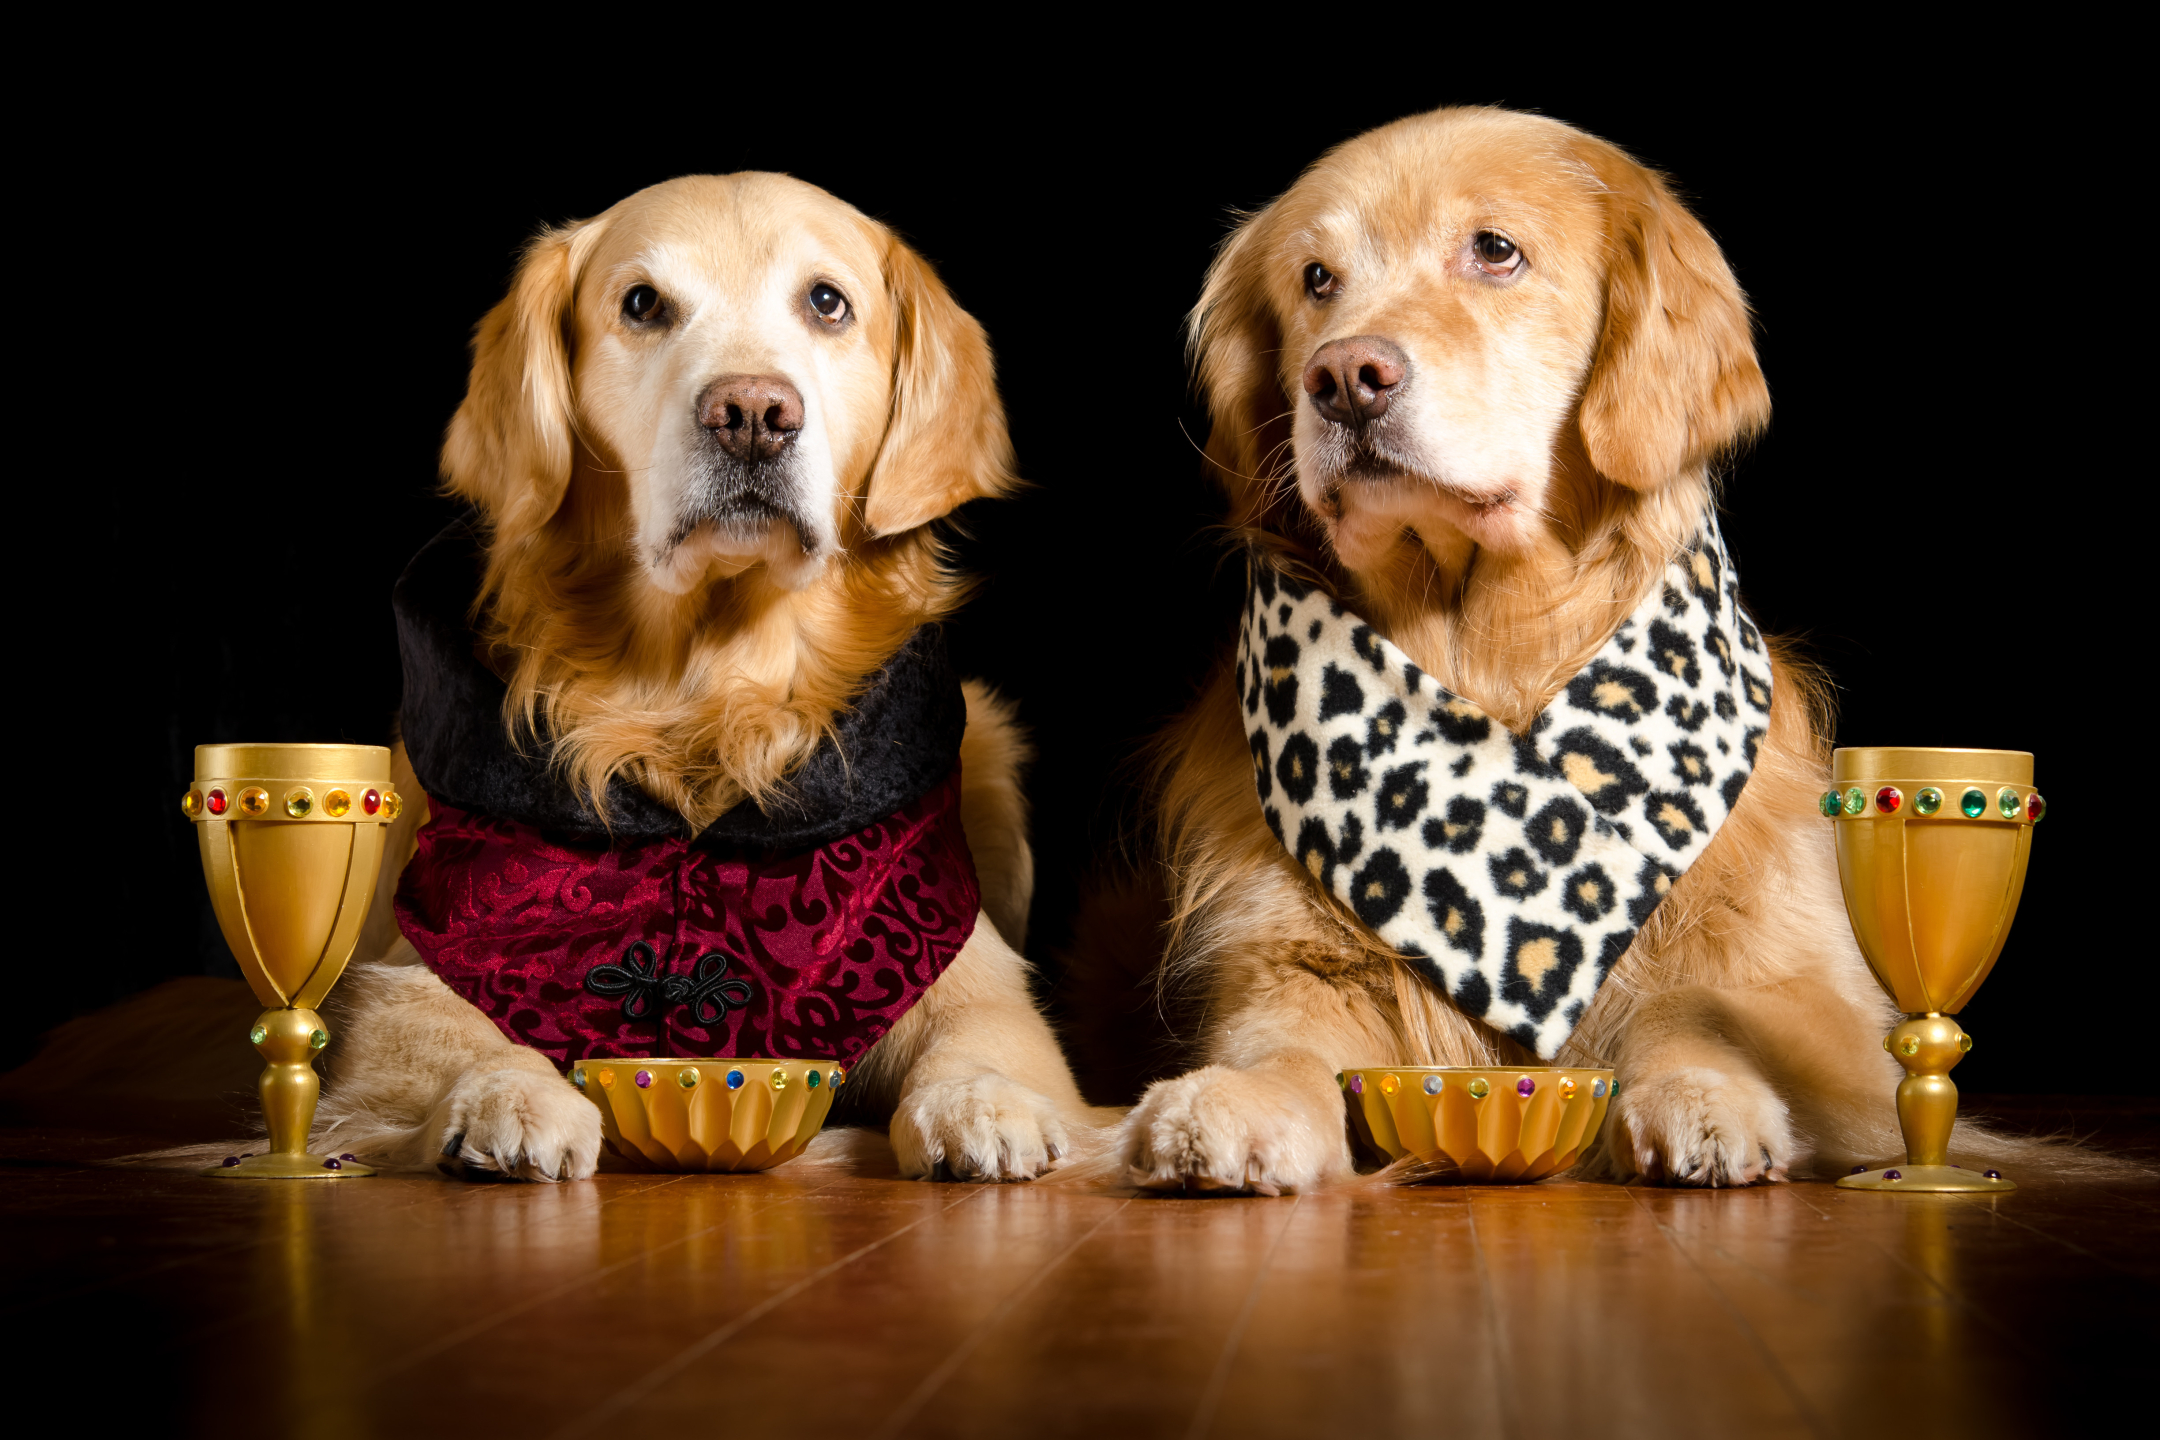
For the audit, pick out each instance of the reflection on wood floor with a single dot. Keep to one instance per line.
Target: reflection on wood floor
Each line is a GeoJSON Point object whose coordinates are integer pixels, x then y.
{"type": "Point", "coordinates": [864, 1306]}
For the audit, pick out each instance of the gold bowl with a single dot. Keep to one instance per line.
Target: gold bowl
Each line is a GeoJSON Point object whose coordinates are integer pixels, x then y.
{"type": "Point", "coordinates": [1484, 1124]}
{"type": "Point", "coordinates": [713, 1115]}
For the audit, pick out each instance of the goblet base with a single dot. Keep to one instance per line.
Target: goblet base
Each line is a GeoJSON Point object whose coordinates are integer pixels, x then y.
{"type": "Point", "coordinates": [1932, 1179]}
{"type": "Point", "coordinates": [290, 1167]}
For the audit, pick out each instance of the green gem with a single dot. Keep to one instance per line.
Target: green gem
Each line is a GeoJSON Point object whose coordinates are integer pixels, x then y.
{"type": "Point", "coordinates": [257, 1035]}
{"type": "Point", "coordinates": [813, 1079]}
{"type": "Point", "coordinates": [1829, 803]}
{"type": "Point", "coordinates": [1855, 801]}
{"type": "Point", "coordinates": [1973, 803]}
{"type": "Point", "coordinates": [2009, 803]}
{"type": "Point", "coordinates": [1479, 1089]}
{"type": "Point", "coordinates": [317, 1039]}
{"type": "Point", "coordinates": [1928, 801]}
{"type": "Point", "coordinates": [687, 1078]}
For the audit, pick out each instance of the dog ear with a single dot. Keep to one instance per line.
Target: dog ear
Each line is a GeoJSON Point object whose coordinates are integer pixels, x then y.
{"type": "Point", "coordinates": [1235, 343]}
{"type": "Point", "coordinates": [946, 442]}
{"type": "Point", "coordinates": [510, 444]}
{"type": "Point", "coordinates": [1675, 380]}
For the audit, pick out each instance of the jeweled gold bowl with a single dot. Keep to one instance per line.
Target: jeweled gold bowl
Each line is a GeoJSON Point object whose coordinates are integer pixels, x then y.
{"type": "Point", "coordinates": [1506, 1125]}
{"type": "Point", "coordinates": [712, 1115]}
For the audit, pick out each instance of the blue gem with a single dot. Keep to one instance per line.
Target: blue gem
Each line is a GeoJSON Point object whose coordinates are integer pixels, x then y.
{"type": "Point", "coordinates": [734, 1079]}
{"type": "Point", "coordinates": [1597, 1089]}
{"type": "Point", "coordinates": [1432, 1084]}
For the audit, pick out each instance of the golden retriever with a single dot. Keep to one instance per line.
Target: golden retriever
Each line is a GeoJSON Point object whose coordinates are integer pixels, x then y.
{"type": "Point", "coordinates": [697, 636]}
{"type": "Point", "coordinates": [1470, 374]}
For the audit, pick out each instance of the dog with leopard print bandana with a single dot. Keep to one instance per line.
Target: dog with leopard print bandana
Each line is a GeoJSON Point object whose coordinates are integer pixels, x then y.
{"type": "Point", "coordinates": [1500, 771]}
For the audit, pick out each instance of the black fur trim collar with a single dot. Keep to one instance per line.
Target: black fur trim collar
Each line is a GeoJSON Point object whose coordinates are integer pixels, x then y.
{"type": "Point", "coordinates": [901, 736]}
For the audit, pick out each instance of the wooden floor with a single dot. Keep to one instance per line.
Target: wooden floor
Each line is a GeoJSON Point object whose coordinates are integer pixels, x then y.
{"type": "Point", "coordinates": [772, 1305]}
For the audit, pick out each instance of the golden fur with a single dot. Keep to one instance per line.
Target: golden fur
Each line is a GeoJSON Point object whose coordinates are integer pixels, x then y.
{"type": "Point", "coordinates": [1552, 450]}
{"type": "Point", "coordinates": [703, 662]}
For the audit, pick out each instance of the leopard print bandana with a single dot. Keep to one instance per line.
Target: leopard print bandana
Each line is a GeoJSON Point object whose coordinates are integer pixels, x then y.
{"type": "Point", "coordinates": [1511, 870]}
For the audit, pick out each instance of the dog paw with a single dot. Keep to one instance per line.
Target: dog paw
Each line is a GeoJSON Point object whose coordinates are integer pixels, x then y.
{"type": "Point", "coordinates": [1701, 1127]}
{"type": "Point", "coordinates": [517, 1125]}
{"type": "Point", "coordinates": [1231, 1130]}
{"type": "Point", "coordinates": [984, 1128]}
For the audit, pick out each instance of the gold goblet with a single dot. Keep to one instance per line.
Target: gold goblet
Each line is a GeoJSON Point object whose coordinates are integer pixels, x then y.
{"type": "Point", "coordinates": [1931, 848]}
{"type": "Point", "coordinates": [292, 839]}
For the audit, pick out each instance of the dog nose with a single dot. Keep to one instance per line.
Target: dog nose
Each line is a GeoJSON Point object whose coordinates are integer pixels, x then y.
{"type": "Point", "coordinates": [1349, 381]}
{"type": "Point", "coordinates": [752, 416]}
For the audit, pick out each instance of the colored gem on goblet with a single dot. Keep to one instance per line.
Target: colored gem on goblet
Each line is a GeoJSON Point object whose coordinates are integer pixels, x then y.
{"type": "Point", "coordinates": [1859, 1169]}
{"type": "Point", "coordinates": [1893, 1175]}
{"type": "Point", "coordinates": [259, 1034]}
{"type": "Point", "coordinates": [317, 1039]}
{"type": "Point", "coordinates": [1526, 1086]}
{"type": "Point", "coordinates": [643, 1079]}
{"type": "Point", "coordinates": [2035, 807]}
{"type": "Point", "coordinates": [1964, 1043]}
{"type": "Point", "coordinates": [1388, 1085]}
{"type": "Point", "coordinates": [214, 802]}
{"type": "Point", "coordinates": [1928, 801]}
{"type": "Point", "coordinates": [1567, 1088]}
{"type": "Point", "coordinates": [191, 804]}
{"type": "Point", "coordinates": [1974, 803]}
{"type": "Point", "coordinates": [1888, 799]}
{"type": "Point", "coordinates": [371, 801]}
{"type": "Point", "coordinates": [577, 1078]}
{"type": "Point", "coordinates": [333, 1164]}
{"type": "Point", "coordinates": [392, 806]}
{"type": "Point", "coordinates": [1910, 1045]}
{"type": "Point", "coordinates": [231, 1160]}
{"type": "Point", "coordinates": [1479, 1089]}
{"type": "Point", "coordinates": [2010, 803]}
{"type": "Point", "coordinates": [687, 1077]}
{"type": "Point", "coordinates": [1597, 1089]}
{"type": "Point", "coordinates": [1829, 804]}
{"type": "Point", "coordinates": [838, 1076]}
{"type": "Point", "coordinates": [1856, 801]}
{"type": "Point", "coordinates": [607, 1078]}
{"type": "Point", "coordinates": [348, 1155]}
{"type": "Point", "coordinates": [254, 800]}
{"type": "Point", "coordinates": [1992, 1174]}
{"type": "Point", "coordinates": [1432, 1084]}
{"type": "Point", "coordinates": [734, 1079]}
{"type": "Point", "coordinates": [1357, 1084]}
{"type": "Point", "coordinates": [337, 804]}
{"type": "Point", "coordinates": [779, 1078]}
{"type": "Point", "coordinates": [814, 1080]}
{"type": "Point", "coordinates": [299, 802]}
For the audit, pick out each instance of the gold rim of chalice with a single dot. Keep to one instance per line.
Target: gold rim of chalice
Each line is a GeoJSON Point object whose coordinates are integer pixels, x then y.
{"type": "Point", "coordinates": [1505, 1124]}
{"type": "Point", "coordinates": [719, 1114]}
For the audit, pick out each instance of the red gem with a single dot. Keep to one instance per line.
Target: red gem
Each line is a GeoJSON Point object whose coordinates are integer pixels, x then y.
{"type": "Point", "coordinates": [371, 801]}
{"type": "Point", "coordinates": [1887, 799]}
{"type": "Point", "coordinates": [214, 802]}
{"type": "Point", "coordinates": [2035, 807]}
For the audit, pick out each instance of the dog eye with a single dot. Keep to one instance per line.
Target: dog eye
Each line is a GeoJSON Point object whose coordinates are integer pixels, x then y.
{"type": "Point", "coordinates": [829, 303]}
{"type": "Point", "coordinates": [642, 303]}
{"type": "Point", "coordinates": [1320, 282]}
{"type": "Point", "coordinates": [1496, 254]}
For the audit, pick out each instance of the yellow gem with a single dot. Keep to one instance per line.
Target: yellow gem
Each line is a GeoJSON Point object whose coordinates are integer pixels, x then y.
{"type": "Point", "coordinates": [1567, 1088]}
{"type": "Point", "coordinates": [392, 806]}
{"type": "Point", "coordinates": [779, 1078]}
{"type": "Point", "coordinates": [1387, 1085]}
{"type": "Point", "coordinates": [1910, 1045]}
{"type": "Point", "coordinates": [191, 804]}
{"type": "Point", "coordinates": [336, 803]}
{"type": "Point", "coordinates": [254, 800]}
{"type": "Point", "coordinates": [1479, 1089]}
{"type": "Point", "coordinates": [1886, 1043]}
{"type": "Point", "coordinates": [299, 802]}
{"type": "Point", "coordinates": [1964, 1044]}
{"type": "Point", "coordinates": [257, 1035]}
{"type": "Point", "coordinates": [688, 1077]}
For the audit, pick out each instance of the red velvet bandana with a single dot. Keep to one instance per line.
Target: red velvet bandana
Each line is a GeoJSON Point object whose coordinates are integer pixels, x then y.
{"type": "Point", "coordinates": [668, 949]}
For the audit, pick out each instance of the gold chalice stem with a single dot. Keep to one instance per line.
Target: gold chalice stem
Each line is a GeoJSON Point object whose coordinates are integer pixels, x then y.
{"type": "Point", "coordinates": [1929, 1047]}
{"type": "Point", "coordinates": [289, 1085]}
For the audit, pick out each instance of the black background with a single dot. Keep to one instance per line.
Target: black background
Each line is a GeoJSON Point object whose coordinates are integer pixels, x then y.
{"type": "Point", "coordinates": [288, 280]}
